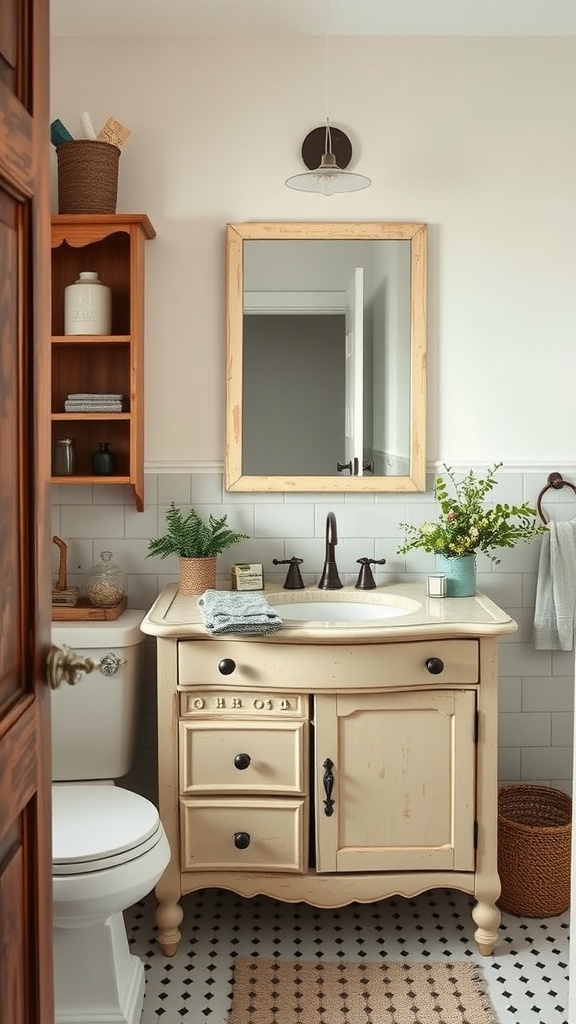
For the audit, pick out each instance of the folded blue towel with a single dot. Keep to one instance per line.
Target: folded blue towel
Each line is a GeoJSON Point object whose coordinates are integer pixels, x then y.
{"type": "Point", "coordinates": [226, 611]}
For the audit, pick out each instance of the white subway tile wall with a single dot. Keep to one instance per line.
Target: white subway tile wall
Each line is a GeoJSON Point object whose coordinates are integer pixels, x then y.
{"type": "Point", "coordinates": [536, 687]}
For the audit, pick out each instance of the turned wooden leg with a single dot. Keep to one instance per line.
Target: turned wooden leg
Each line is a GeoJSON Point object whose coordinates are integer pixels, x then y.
{"type": "Point", "coordinates": [169, 914]}
{"type": "Point", "coordinates": [487, 918]}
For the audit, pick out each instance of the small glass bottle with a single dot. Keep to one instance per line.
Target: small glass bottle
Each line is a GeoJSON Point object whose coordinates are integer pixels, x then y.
{"type": "Point", "coordinates": [103, 460]}
{"type": "Point", "coordinates": [106, 583]}
{"type": "Point", "coordinates": [65, 457]}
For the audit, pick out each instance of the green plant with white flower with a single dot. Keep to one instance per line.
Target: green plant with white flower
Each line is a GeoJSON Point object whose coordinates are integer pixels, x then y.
{"type": "Point", "coordinates": [465, 526]}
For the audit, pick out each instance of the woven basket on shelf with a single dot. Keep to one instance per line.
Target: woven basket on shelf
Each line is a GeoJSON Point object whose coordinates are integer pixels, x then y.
{"type": "Point", "coordinates": [87, 176]}
{"type": "Point", "coordinates": [534, 831]}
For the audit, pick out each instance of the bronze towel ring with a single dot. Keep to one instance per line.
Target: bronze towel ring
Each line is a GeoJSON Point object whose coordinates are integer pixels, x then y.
{"type": "Point", "coordinates": [557, 481]}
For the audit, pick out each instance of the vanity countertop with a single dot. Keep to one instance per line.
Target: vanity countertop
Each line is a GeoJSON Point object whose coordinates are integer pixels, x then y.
{"type": "Point", "coordinates": [177, 615]}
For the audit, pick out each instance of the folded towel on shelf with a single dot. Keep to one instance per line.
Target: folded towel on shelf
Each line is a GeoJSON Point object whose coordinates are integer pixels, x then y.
{"type": "Point", "coordinates": [84, 396]}
{"type": "Point", "coordinates": [72, 406]}
{"type": "Point", "coordinates": [94, 402]}
{"type": "Point", "coordinates": [555, 606]}
{"type": "Point", "coordinates": [226, 611]}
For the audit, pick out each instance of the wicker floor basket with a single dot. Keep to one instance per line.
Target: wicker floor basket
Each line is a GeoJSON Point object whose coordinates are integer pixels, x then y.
{"type": "Point", "coordinates": [87, 176]}
{"type": "Point", "coordinates": [534, 831]}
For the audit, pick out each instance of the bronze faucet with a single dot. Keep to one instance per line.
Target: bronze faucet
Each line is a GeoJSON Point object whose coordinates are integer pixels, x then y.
{"type": "Point", "coordinates": [330, 579]}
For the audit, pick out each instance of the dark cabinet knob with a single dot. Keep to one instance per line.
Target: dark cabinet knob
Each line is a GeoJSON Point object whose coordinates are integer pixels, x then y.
{"type": "Point", "coordinates": [242, 761]}
{"type": "Point", "coordinates": [435, 666]}
{"type": "Point", "coordinates": [241, 840]}
{"type": "Point", "coordinates": [226, 666]}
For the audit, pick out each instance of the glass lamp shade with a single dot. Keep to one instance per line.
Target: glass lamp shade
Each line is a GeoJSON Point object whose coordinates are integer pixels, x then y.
{"type": "Point", "coordinates": [328, 178]}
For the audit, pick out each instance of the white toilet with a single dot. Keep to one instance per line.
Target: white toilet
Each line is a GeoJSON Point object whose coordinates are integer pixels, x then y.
{"type": "Point", "coordinates": [109, 846]}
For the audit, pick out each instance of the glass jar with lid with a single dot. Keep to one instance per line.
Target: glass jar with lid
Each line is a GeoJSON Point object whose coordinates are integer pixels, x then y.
{"type": "Point", "coordinates": [106, 583]}
{"type": "Point", "coordinates": [65, 457]}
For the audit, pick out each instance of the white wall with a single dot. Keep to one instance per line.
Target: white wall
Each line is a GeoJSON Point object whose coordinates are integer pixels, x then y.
{"type": "Point", "coordinates": [473, 136]}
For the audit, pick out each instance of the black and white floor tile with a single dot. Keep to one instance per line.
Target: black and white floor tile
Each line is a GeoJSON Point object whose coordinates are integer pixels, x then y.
{"type": "Point", "coordinates": [527, 976]}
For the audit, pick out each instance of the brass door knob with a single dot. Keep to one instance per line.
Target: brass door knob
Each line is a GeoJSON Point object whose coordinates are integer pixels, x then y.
{"type": "Point", "coordinates": [63, 665]}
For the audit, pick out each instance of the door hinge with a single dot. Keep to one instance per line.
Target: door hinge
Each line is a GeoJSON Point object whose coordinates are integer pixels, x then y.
{"type": "Point", "coordinates": [476, 835]}
{"type": "Point", "coordinates": [476, 725]}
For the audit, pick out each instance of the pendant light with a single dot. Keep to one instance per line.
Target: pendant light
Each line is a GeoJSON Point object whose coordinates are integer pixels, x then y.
{"type": "Point", "coordinates": [328, 177]}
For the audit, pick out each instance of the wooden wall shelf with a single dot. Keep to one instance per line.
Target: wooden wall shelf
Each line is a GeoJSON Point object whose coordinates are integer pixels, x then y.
{"type": "Point", "coordinates": [112, 245]}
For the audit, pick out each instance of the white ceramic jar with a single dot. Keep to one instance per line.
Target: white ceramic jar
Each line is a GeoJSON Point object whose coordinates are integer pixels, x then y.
{"type": "Point", "coordinates": [87, 305]}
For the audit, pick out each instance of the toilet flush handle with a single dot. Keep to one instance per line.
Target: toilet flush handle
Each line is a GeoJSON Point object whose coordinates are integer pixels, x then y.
{"type": "Point", "coordinates": [110, 664]}
{"type": "Point", "coordinates": [63, 665]}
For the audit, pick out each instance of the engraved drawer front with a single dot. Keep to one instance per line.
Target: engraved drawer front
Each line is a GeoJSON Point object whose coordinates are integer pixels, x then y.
{"type": "Point", "coordinates": [313, 667]}
{"type": "Point", "coordinates": [243, 757]}
{"type": "Point", "coordinates": [243, 834]}
{"type": "Point", "coordinates": [204, 701]}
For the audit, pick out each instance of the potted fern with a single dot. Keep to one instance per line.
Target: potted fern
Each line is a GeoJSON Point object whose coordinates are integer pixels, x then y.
{"type": "Point", "coordinates": [197, 543]}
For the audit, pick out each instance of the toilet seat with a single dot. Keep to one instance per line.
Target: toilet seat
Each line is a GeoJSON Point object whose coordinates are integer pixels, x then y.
{"type": "Point", "coordinates": [98, 827]}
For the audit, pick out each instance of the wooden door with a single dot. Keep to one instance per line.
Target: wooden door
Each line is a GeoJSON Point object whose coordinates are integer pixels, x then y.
{"type": "Point", "coordinates": [26, 984]}
{"type": "Point", "coordinates": [404, 781]}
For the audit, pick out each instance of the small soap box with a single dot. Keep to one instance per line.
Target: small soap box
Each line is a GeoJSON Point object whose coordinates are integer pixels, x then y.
{"type": "Point", "coordinates": [247, 576]}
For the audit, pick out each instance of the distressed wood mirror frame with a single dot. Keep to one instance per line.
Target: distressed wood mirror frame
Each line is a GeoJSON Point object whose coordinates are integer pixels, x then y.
{"type": "Point", "coordinates": [237, 234]}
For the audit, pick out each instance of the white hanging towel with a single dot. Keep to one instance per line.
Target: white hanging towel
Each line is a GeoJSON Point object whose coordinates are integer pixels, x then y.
{"type": "Point", "coordinates": [556, 589]}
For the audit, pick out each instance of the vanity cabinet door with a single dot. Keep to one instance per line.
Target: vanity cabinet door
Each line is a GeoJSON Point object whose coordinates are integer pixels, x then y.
{"type": "Point", "coordinates": [400, 770]}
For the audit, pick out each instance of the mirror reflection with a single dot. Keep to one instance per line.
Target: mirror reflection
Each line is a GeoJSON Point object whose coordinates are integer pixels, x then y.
{"type": "Point", "coordinates": [326, 357]}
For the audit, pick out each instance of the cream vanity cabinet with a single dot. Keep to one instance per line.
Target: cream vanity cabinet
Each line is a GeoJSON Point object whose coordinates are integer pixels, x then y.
{"type": "Point", "coordinates": [330, 765]}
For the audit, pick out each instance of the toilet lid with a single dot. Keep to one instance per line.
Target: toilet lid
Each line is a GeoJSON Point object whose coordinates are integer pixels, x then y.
{"type": "Point", "coordinates": [96, 827]}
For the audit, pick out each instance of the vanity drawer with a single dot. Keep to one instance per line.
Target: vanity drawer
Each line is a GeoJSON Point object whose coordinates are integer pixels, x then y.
{"type": "Point", "coordinates": [243, 757]}
{"type": "Point", "coordinates": [313, 667]}
{"type": "Point", "coordinates": [243, 834]}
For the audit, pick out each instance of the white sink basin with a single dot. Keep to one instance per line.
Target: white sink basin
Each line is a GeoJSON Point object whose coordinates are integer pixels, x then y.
{"type": "Point", "coordinates": [305, 609]}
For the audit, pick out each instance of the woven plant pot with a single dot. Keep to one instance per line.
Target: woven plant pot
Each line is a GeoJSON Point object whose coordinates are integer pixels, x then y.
{"type": "Point", "coordinates": [87, 176]}
{"type": "Point", "coordinates": [197, 575]}
{"type": "Point", "coordinates": [534, 832]}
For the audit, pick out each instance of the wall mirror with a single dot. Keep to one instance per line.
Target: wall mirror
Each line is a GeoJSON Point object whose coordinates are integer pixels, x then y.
{"type": "Point", "coordinates": [326, 357]}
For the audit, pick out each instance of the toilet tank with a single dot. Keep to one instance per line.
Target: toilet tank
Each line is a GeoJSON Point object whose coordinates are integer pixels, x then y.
{"type": "Point", "coordinates": [94, 721]}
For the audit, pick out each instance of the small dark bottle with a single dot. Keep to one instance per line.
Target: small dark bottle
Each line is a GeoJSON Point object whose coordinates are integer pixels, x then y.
{"type": "Point", "coordinates": [104, 460]}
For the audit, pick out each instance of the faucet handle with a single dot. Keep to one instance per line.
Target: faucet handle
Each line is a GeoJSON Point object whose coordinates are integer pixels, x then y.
{"type": "Point", "coordinates": [366, 580]}
{"type": "Point", "coordinates": [293, 577]}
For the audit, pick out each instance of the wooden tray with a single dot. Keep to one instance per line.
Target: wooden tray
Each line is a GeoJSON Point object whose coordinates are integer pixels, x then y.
{"type": "Point", "coordinates": [86, 612]}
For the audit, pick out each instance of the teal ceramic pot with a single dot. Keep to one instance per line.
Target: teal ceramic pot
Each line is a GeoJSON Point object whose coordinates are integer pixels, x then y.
{"type": "Point", "coordinates": [460, 573]}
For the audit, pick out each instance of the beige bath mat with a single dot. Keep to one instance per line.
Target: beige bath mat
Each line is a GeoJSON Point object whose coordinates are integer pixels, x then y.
{"type": "Point", "coordinates": [319, 992]}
